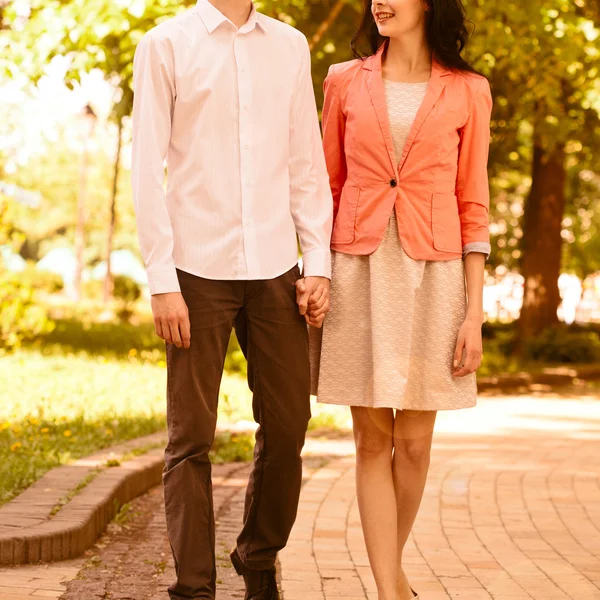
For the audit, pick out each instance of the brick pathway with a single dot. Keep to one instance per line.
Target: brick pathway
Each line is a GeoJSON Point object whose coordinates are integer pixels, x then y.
{"type": "Point", "coordinates": [132, 561]}
{"type": "Point", "coordinates": [511, 512]}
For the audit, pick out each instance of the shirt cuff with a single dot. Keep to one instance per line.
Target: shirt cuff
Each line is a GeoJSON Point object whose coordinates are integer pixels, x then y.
{"type": "Point", "coordinates": [317, 263]}
{"type": "Point", "coordinates": [482, 247]}
{"type": "Point", "coordinates": [162, 279]}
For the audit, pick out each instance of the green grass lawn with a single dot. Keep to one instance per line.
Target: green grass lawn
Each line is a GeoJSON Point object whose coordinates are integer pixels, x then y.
{"type": "Point", "coordinates": [86, 387]}
{"type": "Point", "coordinates": [57, 408]}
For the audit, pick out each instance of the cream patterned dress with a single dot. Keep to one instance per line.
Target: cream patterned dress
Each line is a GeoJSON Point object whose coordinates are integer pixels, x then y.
{"type": "Point", "coordinates": [390, 337]}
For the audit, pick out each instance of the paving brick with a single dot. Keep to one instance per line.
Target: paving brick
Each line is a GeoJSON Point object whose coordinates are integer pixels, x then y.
{"type": "Point", "coordinates": [509, 513]}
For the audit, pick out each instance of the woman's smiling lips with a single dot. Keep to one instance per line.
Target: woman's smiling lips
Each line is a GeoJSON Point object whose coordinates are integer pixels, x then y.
{"type": "Point", "coordinates": [383, 16]}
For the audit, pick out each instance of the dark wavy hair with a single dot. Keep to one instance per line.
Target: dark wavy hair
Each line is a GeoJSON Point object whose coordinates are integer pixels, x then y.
{"type": "Point", "coordinates": [446, 27]}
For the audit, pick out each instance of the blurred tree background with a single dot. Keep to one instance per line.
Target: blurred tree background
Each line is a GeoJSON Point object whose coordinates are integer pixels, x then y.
{"type": "Point", "coordinates": [542, 59]}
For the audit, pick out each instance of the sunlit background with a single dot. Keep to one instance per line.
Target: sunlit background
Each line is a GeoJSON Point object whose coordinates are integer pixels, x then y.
{"type": "Point", "coordinates": [80, 366]}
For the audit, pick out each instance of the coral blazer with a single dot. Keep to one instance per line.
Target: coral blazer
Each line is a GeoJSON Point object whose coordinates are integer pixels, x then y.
{"type": "Point", "coordinates": [439, 188]}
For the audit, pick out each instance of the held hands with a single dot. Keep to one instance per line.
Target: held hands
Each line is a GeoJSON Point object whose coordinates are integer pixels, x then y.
{"type": "Point", "coordinates": [171, 318]}
{"type": "Point", "coordinates": [312, 296]}
{"type": "Point", "coordinates": [469, 341]}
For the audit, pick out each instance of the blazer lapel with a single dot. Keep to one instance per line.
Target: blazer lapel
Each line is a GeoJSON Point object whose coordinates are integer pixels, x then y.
{"type": "Point", "coordinates": [375, 86]}
{"type": "Point", "coordinates": [437, 83]}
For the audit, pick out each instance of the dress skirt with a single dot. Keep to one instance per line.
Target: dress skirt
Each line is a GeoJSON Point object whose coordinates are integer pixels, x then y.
{"type": "Point", "coordinates": [390, 337]}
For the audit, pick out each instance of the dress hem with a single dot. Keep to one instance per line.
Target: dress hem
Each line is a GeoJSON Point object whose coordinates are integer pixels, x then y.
{"type": "Point", "coordinates": [396, 407]}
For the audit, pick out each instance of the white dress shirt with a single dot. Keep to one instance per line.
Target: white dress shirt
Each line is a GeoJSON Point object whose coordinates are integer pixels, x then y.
{"type": "Point", "coordinates": [233, 113]}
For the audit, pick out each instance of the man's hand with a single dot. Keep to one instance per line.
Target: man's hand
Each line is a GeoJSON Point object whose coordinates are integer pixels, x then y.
{"type": "Point", "coordinates": [171, 318]}
{"type": "Point", "coordinates": [469, 340]}
{"type": "Point", "coordinates": [312, 295]}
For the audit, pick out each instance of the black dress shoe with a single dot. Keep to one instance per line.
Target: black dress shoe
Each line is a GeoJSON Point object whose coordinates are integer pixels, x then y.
{"type": "Point", "coordinates": [260, 585]}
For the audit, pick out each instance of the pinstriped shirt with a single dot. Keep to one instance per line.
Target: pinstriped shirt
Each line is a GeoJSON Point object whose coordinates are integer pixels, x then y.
{"type": "Point", "coordinates": [233, 113]}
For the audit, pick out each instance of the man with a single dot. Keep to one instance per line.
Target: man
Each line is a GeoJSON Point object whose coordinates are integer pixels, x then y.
{"type": "Point", "coordinates": [225, 95]}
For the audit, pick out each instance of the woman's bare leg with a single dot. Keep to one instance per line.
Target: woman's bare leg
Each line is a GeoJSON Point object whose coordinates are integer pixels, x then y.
{"type": "Point", "coordinates": [413, 434]}
{"type": "Point", "coordinates": [375, 494]}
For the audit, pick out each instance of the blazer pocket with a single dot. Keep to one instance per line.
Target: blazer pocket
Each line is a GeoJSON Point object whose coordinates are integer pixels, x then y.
{"type": "Point", "coordinates": [445, 223]}
{"type": "Point", "coordinates": [344, 228]}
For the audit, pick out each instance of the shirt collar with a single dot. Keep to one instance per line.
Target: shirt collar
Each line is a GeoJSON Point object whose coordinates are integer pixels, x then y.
{"type": "Point", "coordinates": [213, 17]}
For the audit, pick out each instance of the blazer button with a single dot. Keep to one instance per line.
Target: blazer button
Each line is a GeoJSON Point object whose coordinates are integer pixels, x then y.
{"type": "Point", "coordinates": [393, 183]}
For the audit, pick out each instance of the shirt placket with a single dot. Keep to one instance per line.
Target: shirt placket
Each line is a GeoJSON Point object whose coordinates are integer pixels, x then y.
{"type": "Point", "coordinates": [246, 161]}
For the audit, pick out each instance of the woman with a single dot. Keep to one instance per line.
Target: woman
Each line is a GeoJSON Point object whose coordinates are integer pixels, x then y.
{"type": "Point", "coordinates": [406, 135]}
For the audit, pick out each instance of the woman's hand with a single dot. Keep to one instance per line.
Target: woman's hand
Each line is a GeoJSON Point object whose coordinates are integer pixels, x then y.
{"type": "Point", "coordinates": [469, 340]}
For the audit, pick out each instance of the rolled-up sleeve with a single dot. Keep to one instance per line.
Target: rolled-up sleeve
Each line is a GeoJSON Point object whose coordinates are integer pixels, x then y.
{"type": "Point", "coordinates": [472, 184]}
{"type": "Point", "coordinates": [154, 95]}
{"type": "Point", "coordinates": [310, 196]}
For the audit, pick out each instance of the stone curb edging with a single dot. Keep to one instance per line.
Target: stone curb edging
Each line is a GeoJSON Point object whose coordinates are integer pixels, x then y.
{"type": "Point", "coordinates": [78, 524]}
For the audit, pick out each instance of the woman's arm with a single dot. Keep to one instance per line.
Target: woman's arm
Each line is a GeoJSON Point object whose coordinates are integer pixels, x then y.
{"type": "Point", "coordinates": [334, 130]}
{"type": "Point", "coordinates": [475, 271]}
{"type": "Point", "coordinates": [469, 344]}
{"type": "Point", "coordinates": [472, 192]}
{"type": "Point", "coordinates": [472, 186]}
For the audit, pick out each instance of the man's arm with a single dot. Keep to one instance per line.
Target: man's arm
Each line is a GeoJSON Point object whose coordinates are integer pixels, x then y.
{"type": "Point", "coordinates": [154, 97]}
{"type": "Point", "coordinates": [310, 195]}
{"type": "Point", "coordinates": [311, 202]}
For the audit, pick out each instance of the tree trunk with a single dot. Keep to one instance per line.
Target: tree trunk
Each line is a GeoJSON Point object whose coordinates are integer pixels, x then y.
{"type": "Point", "coordinates": [108, 279]}
{"type": "Point", "coordinates": [80, 224]}
{"type": "Point", "coordinates": [542, 242]}
{"type": "Point", "coordinates": [326, 24]}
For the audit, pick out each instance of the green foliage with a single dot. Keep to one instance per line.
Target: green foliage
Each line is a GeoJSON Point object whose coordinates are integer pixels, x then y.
{"type": "Point", "coordinates": [499, 350]}
{"type": "Point", "coordinates": [235, 362]}
{"type": "Point", "coordinates": [92, 289]}
{"type": "Point", "coordinates": [70, 402]}
{"type": "Point", "coordinates": [582, 222]}
{"type": "Point", "coordinates": [21, 316]}
{"type": "Point", "coordinates": [30, 446]}
{"type": "Point", "coordinates": [542, 59]}
{"type": "Point", "coordinates": [232, 447]}
{"type": "Point", "coordinates": [574, 344]}
{"type": "Point", "coordinates": [95, 34]}
{"type": "Point", "coordinates": [113, 341]}
{"type": "Point", "coordinates": [137, 343]}
{"type": "Point", "coordinates": [126, 289]}
{"type": "Point", "coordinates": [42, 281]}
{"type": "Point", "coordinates": [324, 421]}
{"type": "Point", "coordinates": [562, 344]}
{"type": "Point", "coordinates": [55, 175]}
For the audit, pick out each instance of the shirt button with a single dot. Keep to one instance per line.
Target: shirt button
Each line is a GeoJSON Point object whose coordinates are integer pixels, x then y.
{"type": "Point", "coordinates": [393, 183]}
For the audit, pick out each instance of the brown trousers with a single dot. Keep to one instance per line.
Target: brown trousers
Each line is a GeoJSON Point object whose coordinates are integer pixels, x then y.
{"type": "Point", "coordinates": [274, 339]}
